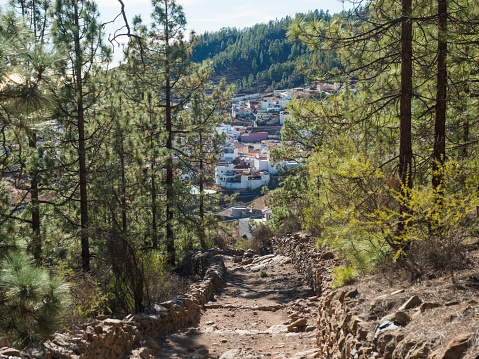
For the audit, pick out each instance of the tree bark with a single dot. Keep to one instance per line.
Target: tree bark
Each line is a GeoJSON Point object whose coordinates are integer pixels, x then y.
{"type": "Point", "coordinates": [405, 147]}
{"type": "Point", "coordinates": [439, 153]}
{"type": "Point", "coordinates": [85, 243]}
{"type": "Point", "coordinates": [37, 240]}
{"type": "Point", "coordinates": [201, 201]}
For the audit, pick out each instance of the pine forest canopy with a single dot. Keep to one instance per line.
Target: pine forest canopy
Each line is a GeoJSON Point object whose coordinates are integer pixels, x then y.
{"type": "Point", "coordinates": [261, 57]}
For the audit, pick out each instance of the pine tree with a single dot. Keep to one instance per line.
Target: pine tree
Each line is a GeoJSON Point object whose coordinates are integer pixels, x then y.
{"type": "Point", "coordinates": [76, 29]}
{"type": "Point", "coordinates": [203, 146]}
{"type": "Point", "coordinates": [167, 79]}
{"type": "Point", "coordinates": [27, 105]}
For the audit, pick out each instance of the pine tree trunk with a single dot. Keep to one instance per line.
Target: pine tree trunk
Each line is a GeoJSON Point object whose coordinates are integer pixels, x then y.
{"type": "Point", "coordinates": [170, 240]}
{"type": "Point", "coordinates": [441, 105]}
{"type": "Point", "coordinates": [405, 147]}
{"type": "Point", "coordinates": [202, 204]}
{"type": "Point", "coordinates": [85, 244]}
{"type": "Point", "coordinates": [123, 190]}
{"type": "Point", "coordinates": [37, 240]}
{"type": "Point", "coordinates": [154, 200]}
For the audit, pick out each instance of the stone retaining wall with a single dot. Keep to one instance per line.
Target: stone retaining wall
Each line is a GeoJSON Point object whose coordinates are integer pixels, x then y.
{"type": "Point", "coordinates": [348, 328]}
{"type": "Point", "coordinates": [351, 326]}
{"type": "Point", "coordinates": [313, 263]}
{"type": "Point", "coordinates": [113, 338]}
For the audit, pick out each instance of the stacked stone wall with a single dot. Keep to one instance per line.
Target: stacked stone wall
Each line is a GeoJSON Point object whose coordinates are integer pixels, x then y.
{"type": "Point", "coordinates": [113, 338]}
{"type": "Point", "coordinates": [313, 263]}
{"type": "Point", "coordinates": [350, 326]}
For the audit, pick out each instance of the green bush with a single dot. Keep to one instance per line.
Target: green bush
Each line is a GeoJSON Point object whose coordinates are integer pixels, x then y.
{"type": "Point", "coordinates": [344, 275]}
{"type": "Point", "coordinates": [32, 300]}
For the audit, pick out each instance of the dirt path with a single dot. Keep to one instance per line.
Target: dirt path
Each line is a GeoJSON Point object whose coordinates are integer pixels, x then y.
{"type": "Point", "coordinates": [253, 316]}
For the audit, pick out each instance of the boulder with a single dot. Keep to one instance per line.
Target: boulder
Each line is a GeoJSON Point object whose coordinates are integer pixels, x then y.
{"type": "Point", "coordinates": [401, 318]}
{"type": "Point", "coordinates": [412, 302]}
{"type": "Point", "coordinates": [231, 354]}
{"type": "Point", "coordinates": [456, 347]}
{"type": "Point", "coordinates": [200, 354]}
{"type": "Point", "coordinates": [300, 323]}
{"type": "Point", "coordinates": [10, 352]}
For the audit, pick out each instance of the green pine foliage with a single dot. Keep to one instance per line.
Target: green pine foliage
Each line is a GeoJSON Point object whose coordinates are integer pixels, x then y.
{"type": "Point", "coordinates": [359, 193]}
{"type": "Point", "coordinates": [261, 57]}
{"type": "Point", "coordinates": [32, 301]}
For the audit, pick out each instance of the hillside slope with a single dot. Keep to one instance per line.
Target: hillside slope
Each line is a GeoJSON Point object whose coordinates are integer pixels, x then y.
{"type": "Point", "coordinates": [261, 57]}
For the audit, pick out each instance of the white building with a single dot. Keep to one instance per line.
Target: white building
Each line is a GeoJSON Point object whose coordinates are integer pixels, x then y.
{"type": "Point", "coordinates": [283, 116]}
{"type": "Point", "coordinates": [268, 104]}
{"type": "Point", "coordinates": [232, 132]}
{"type": "Point", "coordinates": [226, 177]}
{"type": "Point", "coordinates": [246, 97]}
{"type": "Point", "coordinates": [240, 110]}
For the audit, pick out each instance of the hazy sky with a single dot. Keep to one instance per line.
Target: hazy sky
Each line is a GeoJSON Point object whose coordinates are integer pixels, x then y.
{"type": "Point", "coordinates": [212, 15]}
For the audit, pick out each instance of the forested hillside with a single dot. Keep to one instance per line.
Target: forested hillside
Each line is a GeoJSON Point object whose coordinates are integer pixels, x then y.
{"type": "Point", "coordinates": [261, 57]}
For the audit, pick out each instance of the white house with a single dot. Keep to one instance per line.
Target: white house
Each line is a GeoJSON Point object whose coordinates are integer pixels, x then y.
{"type": "Point", "coordinates": [226, 177]}
{"type": "Point", "coordinates": [232, 132]}
{"type": "Point", "coordinates": [240, 110]}
{"type": "Point", "coordinates": [283, 116]}
{"type": "Point", "coordinates": [268, 104]}
{"type": "Point", "coordinates": [228, 155]}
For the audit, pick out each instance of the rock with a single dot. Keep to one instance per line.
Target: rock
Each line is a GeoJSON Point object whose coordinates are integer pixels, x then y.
{"type": "Point", "coordinates": [36, 351]}
{"type": "Point", "coordinates": [152, 345]}
{"type": "Point", "coordinates": [428, 305]}
{"type": "Point", "coordinates": [10, 352]}
{"type": "Point", "coordinates": [300, 323]}
{"type": "Point", "coordinates": [419, 351]}
{"type": "Point", "coordinates": [309, 354]}
{"type": "Point", "coordinates": [144, 353]}
{"type": "Point", "coordinates": [160, 308]}
{"type": "Point", "coordinates": [201, 354]}
{"type": "Point", "coordinates": [456, 347]}
{"type": "Point", "coordinates": [352, 293]}
{"type": "Point", "coordinates": [278, 328]}
{"type": "Point", "coordinates": [403, 348]}
{"type": "Point", "coordinates": [231, 354]}
{"type": "Point", "coordinates": [327, 256]}
{"type": "Point", "coordinates": [412, 302]}
{"type": "Point", "coordinates": [112, 322]}
{"type": "Point", "coordinates": [401, 318]}
{"type": "Point", "coordinates": [247, 261]}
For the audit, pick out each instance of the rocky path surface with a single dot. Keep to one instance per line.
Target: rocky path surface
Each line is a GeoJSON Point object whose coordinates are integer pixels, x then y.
{"type": "Point", "coordinates": [265, 310]}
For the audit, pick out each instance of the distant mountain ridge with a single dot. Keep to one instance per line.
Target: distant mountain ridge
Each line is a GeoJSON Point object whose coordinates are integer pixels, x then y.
{"type": "Point", "coordinates": [261, 57]}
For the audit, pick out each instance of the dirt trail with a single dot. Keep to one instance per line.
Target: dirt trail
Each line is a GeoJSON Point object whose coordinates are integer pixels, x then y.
{"type": "Point", "coordinates": [253, 316]}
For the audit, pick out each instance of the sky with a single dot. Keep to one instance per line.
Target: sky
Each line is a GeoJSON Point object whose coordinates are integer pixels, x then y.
{"type": "Point", "coordinates": [212, 15]}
